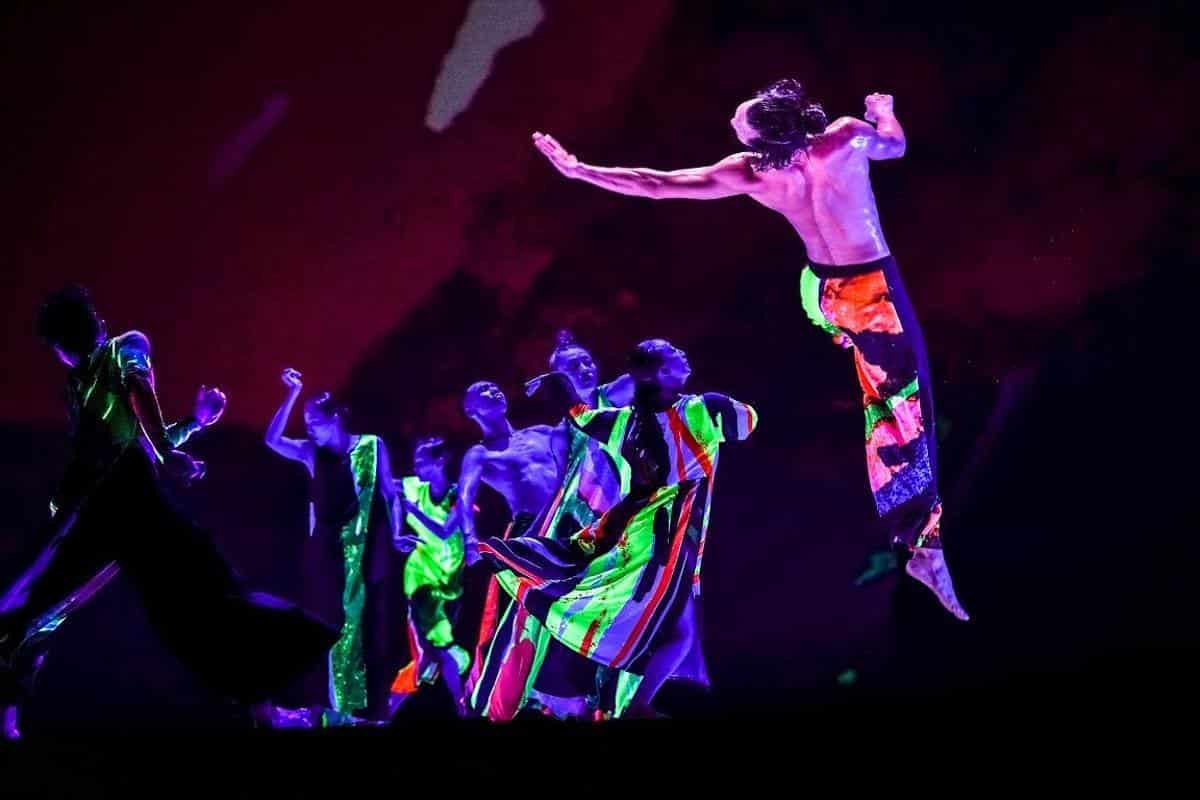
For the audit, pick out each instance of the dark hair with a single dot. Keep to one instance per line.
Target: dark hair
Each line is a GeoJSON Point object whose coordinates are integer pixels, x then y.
{"type": "Point", "coordinates": [564, 341]}
{"type": "Point", "coordinates": [647, 357]}
{"type": "Point", "coordinates": [786, 119]}
{"type": "Point", "coordinates": [436, 445]}
{"type": "Point", "coordinates": [68, 320]}
{"type": "Point", "coordinates": [328, 405]}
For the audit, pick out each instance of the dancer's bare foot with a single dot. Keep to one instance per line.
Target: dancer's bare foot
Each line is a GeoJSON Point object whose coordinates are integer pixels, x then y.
{"type": "Point", "coordinates": [461, 708]}
{"type": "Point", "coordinates": [12, 732]}
{"type": "Point", "coordinates": [395, 700]}
{"type": "Point", "coordinates": [291, 718]}
{"type": "Point", "coordinates": [928, 566]}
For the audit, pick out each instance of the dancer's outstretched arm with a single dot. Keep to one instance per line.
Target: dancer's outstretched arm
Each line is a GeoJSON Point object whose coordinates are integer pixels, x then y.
{"type": "Point", "coordinates": [619, 390]}
{"type": "Point", "coordinates": [301, 450]}
{"type": "Point", "coordinates": [728, 177]}
{"type": "Point", "coordinates": [737, 420]}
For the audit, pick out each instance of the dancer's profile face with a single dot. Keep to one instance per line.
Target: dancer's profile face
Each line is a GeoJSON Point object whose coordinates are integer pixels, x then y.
{"type": "Point", "coordinates": [674, 371]}
{"type": "Point", "coordinates": [741, 124]}
{"type": "Point", "coordinates": [485, 399]}
{"type": "Point", "coordinates": [320, 427]}
{"type": "Point", "coordinates": [579, 366]}
{"type": "Point", "coordinates": [428, 465]}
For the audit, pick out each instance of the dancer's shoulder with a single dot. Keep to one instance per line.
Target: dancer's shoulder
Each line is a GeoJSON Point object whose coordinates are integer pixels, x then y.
{"type": "Point", "coordinates": [131, 340]}
{"type": "Point", "coordinates": [131, 351]}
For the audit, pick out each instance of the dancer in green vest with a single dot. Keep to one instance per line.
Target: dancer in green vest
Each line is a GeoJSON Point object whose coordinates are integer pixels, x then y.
{"type": "Point", "coordinates": [433, 576]}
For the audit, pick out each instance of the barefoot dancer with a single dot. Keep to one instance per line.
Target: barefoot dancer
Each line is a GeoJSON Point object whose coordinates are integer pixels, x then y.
{"type": "Point", "coordinates": [817, 176]}
{"type": "Point", "coordinates": [349, 553]}
{"type": "Point", "coordinates": [524, 466]}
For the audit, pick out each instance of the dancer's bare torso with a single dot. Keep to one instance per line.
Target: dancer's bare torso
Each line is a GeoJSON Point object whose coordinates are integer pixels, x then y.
{"type": "Point", "coordinates": [527, 468]}
{"type": "Point", "coordinates": [826, 195]}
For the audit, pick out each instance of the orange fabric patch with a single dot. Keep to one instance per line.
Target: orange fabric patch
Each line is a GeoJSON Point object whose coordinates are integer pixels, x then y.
{"type": "Point", "coordinates": [860, 303]}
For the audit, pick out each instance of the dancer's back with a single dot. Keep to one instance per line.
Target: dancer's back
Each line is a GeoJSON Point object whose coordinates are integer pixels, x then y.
{"type": "Point", "coordinates": [826, 195]}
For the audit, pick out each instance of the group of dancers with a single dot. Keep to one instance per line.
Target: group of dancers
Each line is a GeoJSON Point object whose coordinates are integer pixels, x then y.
{"type": "Point", "coordinates": [593, 598]}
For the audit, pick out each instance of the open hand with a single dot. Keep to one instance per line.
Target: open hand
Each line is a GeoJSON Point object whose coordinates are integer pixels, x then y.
{"type": "Point", "coordinates": [555, 387]}
{"type": "Point", "coordinates": [210, 405]}
{"type": "Point", "coordinates": [533, 384]}
{"type": "Point", "coordinates": [183, 467]}
{"type": "Point", "coordinates": [563, 161]}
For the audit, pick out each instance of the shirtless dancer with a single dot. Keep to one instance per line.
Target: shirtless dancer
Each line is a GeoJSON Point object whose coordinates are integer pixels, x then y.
{"type": "Point", "coordinates": [817, 175]}
{"type": "Point", "coordinates": [524, 466]}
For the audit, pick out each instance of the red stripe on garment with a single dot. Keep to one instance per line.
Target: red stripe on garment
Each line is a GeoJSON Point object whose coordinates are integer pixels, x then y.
{"type": "Point", "coordinates": [523, 576]}
{"type": "Point", "coordinates": [663, 579]}
{"type": "Point", "coordinates": [682, 432]}
{"type": "Point", "coordinates": [551, 511]}
{"type": "Point", "coordinates": [589, 638]}
{"type": "Point", "coordinates": [408, 679]}
{"type": "Point", "coordinates": [487, 627]}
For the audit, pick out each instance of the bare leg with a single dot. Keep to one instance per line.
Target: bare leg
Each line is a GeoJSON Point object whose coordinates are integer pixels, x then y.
{"type": "Point", "coordinates": [12, 732]}
{"type": "Point", "coordinates": [664, 662]}
{"type": "Point", "coordinates": [454, 681]}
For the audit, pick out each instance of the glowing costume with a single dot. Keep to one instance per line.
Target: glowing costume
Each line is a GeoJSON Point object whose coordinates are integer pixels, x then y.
{"type": "Point", "coordinates": [867, 303]}
{"type": "Point", "coordinates": [608, 590]}
{"type": "Point", "coordinates": [110, 512]}
{"type": "Point", "coordinates": [348, 577]}
{"type": "Point", "coordinates": [519, 661]}
{"type": "Point", "coordinates": [433, 582]}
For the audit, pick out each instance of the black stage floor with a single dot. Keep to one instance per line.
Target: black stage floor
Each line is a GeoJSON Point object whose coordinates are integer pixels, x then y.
{"type": "Point", "coordinates": [1096, 728]}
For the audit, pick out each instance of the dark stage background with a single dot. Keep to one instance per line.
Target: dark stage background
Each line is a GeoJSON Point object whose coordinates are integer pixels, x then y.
{"type": "Point", "coordinates": [258, 189]}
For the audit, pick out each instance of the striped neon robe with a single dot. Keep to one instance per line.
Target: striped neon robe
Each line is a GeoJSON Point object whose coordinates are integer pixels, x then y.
{"type": "Point", "coordinates": [607, 591]}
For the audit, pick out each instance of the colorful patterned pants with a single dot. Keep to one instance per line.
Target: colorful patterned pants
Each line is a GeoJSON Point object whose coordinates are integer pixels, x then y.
{"type": "Point", "coordinates": [867, 304]}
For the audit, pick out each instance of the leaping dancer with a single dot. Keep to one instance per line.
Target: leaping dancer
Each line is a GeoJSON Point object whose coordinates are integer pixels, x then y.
{"type": "Point", "coordinates": [817, 175]}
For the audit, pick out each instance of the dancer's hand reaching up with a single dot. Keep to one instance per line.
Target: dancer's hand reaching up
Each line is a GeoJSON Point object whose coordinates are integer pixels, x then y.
{"type": "Point", "coordinates": [563, 161]}
{"type": "Point", "coordinates": [291, 379]}
{"type": "Point", "coordinates": [878, 105]}
{"type": "Point", "coordinates": [555, 391]}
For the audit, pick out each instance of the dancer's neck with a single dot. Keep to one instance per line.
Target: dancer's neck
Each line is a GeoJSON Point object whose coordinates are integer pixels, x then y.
{"type": "Point", "coordinates": [496, 430]}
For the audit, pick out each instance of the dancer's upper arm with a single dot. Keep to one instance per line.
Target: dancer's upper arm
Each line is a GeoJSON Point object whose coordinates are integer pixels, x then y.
{"type": "Point", "coordinates": [881, 143]}
{"type": "Point", "coordinates": [731, 176]}
{"type": "Point", "coordinates": [737, 420]}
